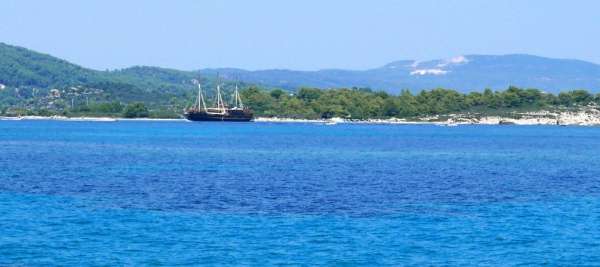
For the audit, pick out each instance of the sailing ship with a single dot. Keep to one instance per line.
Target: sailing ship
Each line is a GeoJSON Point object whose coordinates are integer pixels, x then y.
{"type": "Point", "coordinates": [221, 111]}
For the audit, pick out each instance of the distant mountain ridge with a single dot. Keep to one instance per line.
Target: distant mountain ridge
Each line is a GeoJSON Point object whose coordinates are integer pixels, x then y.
{"type": "Point", "coordinates": [23, 67]}
{"type": "Point", "coordinates": [462, 73]}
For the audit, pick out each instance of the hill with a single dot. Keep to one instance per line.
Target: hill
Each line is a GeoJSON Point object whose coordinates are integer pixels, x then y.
{"type": "Point", "coordinates": [462, 73]}
{"type": "Point", "coordinates": [32, 80]}
{"type": "Point", "coordinates": [24, 67]}
{"type": "Point", "coordinates": [21, 67]}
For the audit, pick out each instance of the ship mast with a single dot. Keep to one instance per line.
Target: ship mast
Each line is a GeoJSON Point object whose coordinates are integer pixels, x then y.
{"type": "Point", "coordinates": [238, 99]}
{"type": "Point", "coordinates": [235, 96]}
{"type": "Point", "coordinates": [220, 104]}
{"type": "Point", "coordinates": [201, 103]}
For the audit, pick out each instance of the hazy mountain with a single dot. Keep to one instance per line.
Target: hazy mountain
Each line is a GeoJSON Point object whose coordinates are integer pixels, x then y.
{"type": "Point", "coordinates": [463, 73]}
{"type": "Point", "coordinates": [22, 67]}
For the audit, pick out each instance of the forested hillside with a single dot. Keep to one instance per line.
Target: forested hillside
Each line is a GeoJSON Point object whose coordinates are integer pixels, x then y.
{"type": "Point", "coordinates": [23, 67]}
{"type": "Point", "coordinates": [34, 81]}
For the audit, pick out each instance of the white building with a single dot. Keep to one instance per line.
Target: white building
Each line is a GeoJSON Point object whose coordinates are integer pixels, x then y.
{"type": "Point", "coordinates": [55, 93]}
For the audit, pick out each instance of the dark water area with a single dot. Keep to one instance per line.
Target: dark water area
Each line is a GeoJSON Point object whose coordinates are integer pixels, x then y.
{"type": "Point", "coordinates": [180, 193]}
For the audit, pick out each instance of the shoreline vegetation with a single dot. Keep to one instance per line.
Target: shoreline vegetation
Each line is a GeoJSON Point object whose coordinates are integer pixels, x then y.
{"type": "Point", "coordinates": [354, 105]}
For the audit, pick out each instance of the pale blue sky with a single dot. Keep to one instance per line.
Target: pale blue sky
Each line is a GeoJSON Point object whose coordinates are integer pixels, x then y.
{"type": "Point", "coordinates": [307, 34]}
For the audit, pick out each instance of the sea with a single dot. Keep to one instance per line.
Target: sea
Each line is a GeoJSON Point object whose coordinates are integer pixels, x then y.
{"type": "Point", "coordinates": [145, 193]}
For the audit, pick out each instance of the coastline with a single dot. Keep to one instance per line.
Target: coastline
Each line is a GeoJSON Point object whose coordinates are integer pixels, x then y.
{"type": "Point", "coordinates": [90, 119]}
{"type": "Point", "coordinates": [588, 117]}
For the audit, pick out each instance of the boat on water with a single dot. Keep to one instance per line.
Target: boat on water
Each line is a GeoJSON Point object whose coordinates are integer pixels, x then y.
{"type": "Point", "coordinates": [220, 111]}
{"type": "Point", "coordinates": [334, 121]}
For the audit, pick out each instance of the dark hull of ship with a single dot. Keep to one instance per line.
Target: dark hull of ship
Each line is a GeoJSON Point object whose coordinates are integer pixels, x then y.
{"type": "Point", "coordinates": [234, 116]}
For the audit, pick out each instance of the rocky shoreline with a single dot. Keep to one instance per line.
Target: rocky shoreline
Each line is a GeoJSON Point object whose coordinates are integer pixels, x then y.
{"type": "Point", "coordinates": [587, 117]}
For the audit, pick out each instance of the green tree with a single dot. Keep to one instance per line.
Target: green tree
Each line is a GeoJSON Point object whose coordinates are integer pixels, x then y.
{"type": "Point", "coordinates": [309, 94]}
{"type": "Point", "coordinates": [581, 97]}
{"type": "Point", "coordinates": [136, 110]}
{"type": "Point", "coordinates": [277, 93]}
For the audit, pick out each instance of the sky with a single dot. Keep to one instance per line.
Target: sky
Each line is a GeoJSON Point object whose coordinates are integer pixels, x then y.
{"type": "Point", "coordinates": [297, 34]}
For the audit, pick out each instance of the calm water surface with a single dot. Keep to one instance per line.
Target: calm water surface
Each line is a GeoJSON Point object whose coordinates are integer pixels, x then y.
{"type": "Point", "coordinates": [179, 193]}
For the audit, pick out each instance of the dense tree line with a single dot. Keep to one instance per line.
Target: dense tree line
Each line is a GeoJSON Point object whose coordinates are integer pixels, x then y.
{"type": "Point", "coordinates": [360, 103]}
{"type": "Point", "coordinates": [311, 103]}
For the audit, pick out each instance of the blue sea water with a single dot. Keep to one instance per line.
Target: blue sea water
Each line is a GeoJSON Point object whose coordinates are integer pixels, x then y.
{"type": "Point", "coordinates": [180, 193]}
